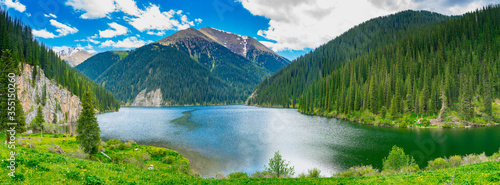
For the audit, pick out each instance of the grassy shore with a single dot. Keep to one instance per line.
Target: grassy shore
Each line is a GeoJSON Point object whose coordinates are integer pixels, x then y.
{"type": "Point", "coordinates": [42, 161]}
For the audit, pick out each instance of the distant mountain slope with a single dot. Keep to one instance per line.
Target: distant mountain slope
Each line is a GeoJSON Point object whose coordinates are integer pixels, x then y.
{"type": "Point", "coordinates": [447, 73]}
{"type": "Point", "coordinates": [286, 86]}
{"type": "Point", "coordinates": [97, 64]}
{"type": "Point", "coordinates": [248, 48]}
{"type": "Point", "coordinates": [73, 55]}
{"type": "Point", "coordinates": [180, 79]}
{"type": "Point", "coordinates": [222, 62]}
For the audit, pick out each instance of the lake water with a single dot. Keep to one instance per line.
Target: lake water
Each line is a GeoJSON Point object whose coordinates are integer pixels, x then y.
{"type": "Point", "coordinates": [224, 139]}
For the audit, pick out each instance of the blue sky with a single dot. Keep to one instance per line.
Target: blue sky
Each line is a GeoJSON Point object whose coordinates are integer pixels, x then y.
{"type": "Point", "coordinates": [291, 28]}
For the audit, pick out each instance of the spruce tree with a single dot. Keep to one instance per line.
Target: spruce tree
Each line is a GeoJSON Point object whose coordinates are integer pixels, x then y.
{"type": "Point", "coordinates": [87, 127]}
{"type": "Point", "coordinates": [39, 120]}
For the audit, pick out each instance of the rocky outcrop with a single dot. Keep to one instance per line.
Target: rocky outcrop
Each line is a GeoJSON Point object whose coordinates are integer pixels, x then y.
{"type": "Point", "coordinates": [151, 99]}
{"type": "Point", "coordinates": [64, 104]}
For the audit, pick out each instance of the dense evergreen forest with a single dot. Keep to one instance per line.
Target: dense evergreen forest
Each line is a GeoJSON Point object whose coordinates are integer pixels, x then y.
{"type": "Point", "coordinates": [97, 64]}
{"type": "Point", "coordinates": [286, 86]}
{"type": "Point", "coordinates": [18, 39]}
{"type": "Point", "coordinates": [182, 80]}
{"type": "Point", "coordinates": [447, 71]}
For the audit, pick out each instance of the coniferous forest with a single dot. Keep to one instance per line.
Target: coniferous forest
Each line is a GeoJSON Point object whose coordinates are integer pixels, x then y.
{"type": "Point", "coordinates": [19, 41]}
{"type": "Point", "coordinates": [284, 88]}
{"type": "Point", "coordinates": [448, 71]}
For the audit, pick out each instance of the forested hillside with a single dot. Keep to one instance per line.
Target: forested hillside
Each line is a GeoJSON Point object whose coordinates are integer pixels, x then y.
{"type": "Point", "coordinates": [17, 39]}
{"type": "Point", "coordinates": [446, 71]}
{"type": "Point", "coordinates": [182, 80]}
{"type": "Point", "coordinates": [286, 86]}
{"type": "Point", "coordinates": [97, 64]}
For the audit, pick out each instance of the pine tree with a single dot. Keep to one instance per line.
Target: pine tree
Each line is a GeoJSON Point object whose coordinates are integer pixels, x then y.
{"type": "Point", "coordinates": [87, 126]}
{"type": "Point", "coordinates": [39, 120]}
{"type": "Point", "coordinates": [487, 92]}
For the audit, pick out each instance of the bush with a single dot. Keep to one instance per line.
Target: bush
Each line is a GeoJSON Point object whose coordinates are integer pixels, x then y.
{"type": "Point", "coordinates": [157, 151]}
{"type": "Point", "coordinates": [397, 159]}
{"type": "Point", "coordinates": [237, 175]}
{"type": "Point", "coordinates": [279, 167]}
{"type": "Point", "coordinates": [113, 142]}
{"type": "Point", "coordinates": [438, 163]}
{"type": "Point", "coordinates": [122, 146]}
{"type": "Point", "coordinates": [220, 176]}
{"type": "Point", "coordinates": [425, 122]}
{"type": "Point", "coordinates": [471, 159]}
{"type": "Point", "coordinates": [315, 172]}
{"type": "Point", "coordinates": [73, 175]}
{"type": "Point", "coordinates": [455, 160]}
{"type": "Point", "coordinates": [358, 171]}
{"type": "Point", "coordinates": [263, 174]}
{"type": "Point", "coordinates": [18, 176]}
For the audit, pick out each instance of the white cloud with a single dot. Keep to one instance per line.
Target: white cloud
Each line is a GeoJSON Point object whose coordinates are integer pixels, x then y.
{"type": "Point", "coordinates": [88, 39]}
{"type": "Point", "coordinates": [43, 34]}
{"type": "Point", "coordinates": [127, 6]}
{"type": "Point", "coordinates": [198, 20]}
{"type": "Point", "coordinates": [63, 29]}
{"type": "Point", "coordinates": [154, 19]}
{"type": "Point", "coordinates": [16, 5]}
{"type": "Point", "coordinates": [130, 42]}
{"type": "Point", "coordinates": [50, 15]}
{"type": "Point", "coordinates": [115, 30]}
{"type": "Point", "coordinates": [297, 25]}
{"type": "Point", "coordinates": [160, 33]}
{"type": "Point", "coordinates": [93, 8]}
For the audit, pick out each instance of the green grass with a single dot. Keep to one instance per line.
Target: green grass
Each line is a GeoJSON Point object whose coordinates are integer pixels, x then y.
{"type": "Point", "coordinates": [40, 165]}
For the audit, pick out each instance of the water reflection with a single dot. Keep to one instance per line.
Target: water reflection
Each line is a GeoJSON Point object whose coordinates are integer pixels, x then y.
{"type": "Point", "coordinates": [239, 138]}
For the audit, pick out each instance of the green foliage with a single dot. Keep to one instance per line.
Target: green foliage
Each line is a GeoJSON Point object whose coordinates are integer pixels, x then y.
{"type": "Point", "coordinates": [455, 160]}
{"type": "Point", "coordinates": [438, 163]}
{"type": "Point", "coordinates": [237, 175]}
{"type": "Point", "coordinates": [278, 167]}
{"type": "Point", "coordinates": [93, 180]}
{"type": "Point", "coordinates": [87, 126]}
{"type": "Point", "coordinates": [39, 120]}
{"type": "Point", "coordinates": [315, 172]}
{"type": "Point", "coordinates": [397, 159]}
{"type": "Point", "coordinates": [113, 142]}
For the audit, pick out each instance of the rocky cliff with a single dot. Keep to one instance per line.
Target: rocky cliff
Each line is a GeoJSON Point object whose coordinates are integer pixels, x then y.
{"type": "Point", "coordinates": [151, 99]}
{"type": "Point", "coordinates": [66, 106]}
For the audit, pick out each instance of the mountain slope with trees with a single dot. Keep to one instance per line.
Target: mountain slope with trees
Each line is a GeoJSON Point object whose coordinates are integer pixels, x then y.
{"type": "Point", "coordinates": [284, 88]}
{"type": "Point", "coordinates": [97, 64]}
{"type": "Point", "coordinates": [19, 41]}
{"type": "Point", "coordinates": [182, 80]}
{"type": "Point", "coordinates": [446, 73]}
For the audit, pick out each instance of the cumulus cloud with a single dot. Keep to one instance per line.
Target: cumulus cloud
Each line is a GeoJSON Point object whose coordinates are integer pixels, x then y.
{"type": "Point", "coordinates": [160, 33]}
{"type": "Point", "coordinates": [115, 30]}
{"type": "Point", "coordinates": [61, 28]}
{"type": "Point", "coordinates": [93, 8]}
{"type": "Point", "coordinates": [297, 25]}
{"type": "Point", "coordinates": [153, 19]}
{"type": "Point", "coordinates": [149, 19]}
{"type": "Point", "coordinates": [43, 34]}
{"type": "Point", "coordinates": [130, 42]}
{"type": "Point", "coordinates": [16, 5]}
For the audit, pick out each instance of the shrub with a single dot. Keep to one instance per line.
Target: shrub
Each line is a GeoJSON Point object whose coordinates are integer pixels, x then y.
{"type": "Point", "coordinates": [455, 160]}
{"type": "Point", "coordinates": [263, 174]}
{"type": "Point", "coordinates": [18, 176]}
{"type": "Point", "coordinates": [471, 159]}
{"type": "Point", "coordinates": [397, 159]}
{"type": "Point", "coordinates": [113, 142]}
{"type": "Point", "coordinates": [410, 169]}
{"type": "Point", "coordinates": [358, 171]}
{"type": "Point", "coordinates": [157, 151]}
{"type": "Point", "coordinates": [425, 122]}
{"type": "Point", "coordinates": [169, 160]}
{"type": "Point", "coordinates": [122, 146]}
{"type": "Point", "coordinates": [438, 163]}
{"type": "Point", "coordinates": [279, 167]}
{"type": "Point", "coordinates": [237, 175]}
{"type": "Point", "coordinates": [315, 172]}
